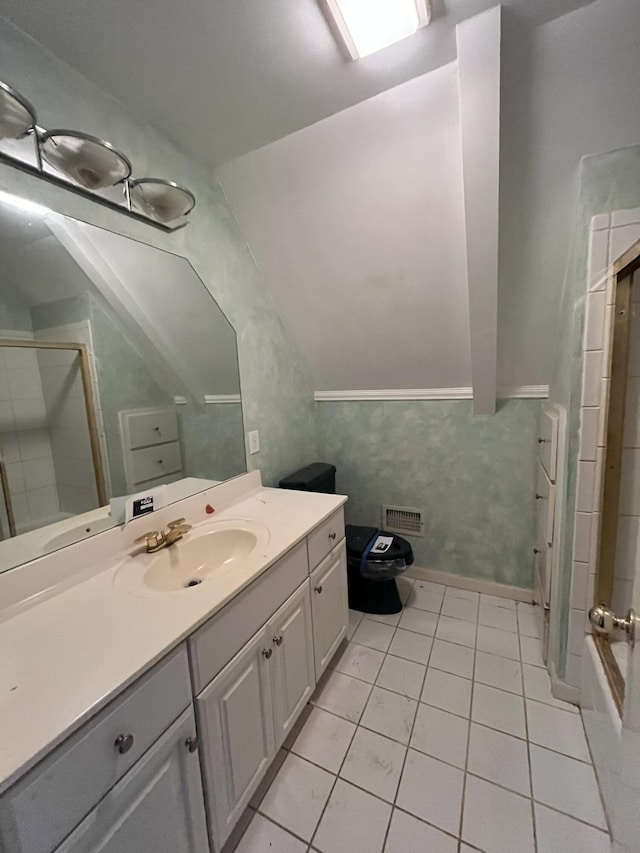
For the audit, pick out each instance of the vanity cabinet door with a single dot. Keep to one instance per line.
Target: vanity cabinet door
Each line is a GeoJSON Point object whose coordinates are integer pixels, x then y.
{"type": "Point", "coordinates": [292, 664]}
{"type": "Point", "coordinates": [329, 606]}
{"type": "Point", "coordinates": [157, 806]}
{"type": "Point", "coordinates": [235, 723]}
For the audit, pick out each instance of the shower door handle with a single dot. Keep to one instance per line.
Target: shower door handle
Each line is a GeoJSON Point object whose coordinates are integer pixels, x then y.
{"type": "Point", "coordinates": [604, 620]}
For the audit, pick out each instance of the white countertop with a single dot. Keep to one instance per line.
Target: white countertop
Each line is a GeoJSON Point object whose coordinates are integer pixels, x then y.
{"type": "Point", "coordinates": [73, 650]}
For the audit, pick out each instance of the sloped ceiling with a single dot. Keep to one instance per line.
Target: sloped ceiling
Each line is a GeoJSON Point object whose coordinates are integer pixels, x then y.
{"type": "Point", "coordinates": [224, 77]}
{"type": "Point", "coordinates": [358, 224]}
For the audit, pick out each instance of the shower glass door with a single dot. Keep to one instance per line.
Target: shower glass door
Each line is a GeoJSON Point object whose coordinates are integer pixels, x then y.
{"type": "Point", "coordinates": [50, 461]}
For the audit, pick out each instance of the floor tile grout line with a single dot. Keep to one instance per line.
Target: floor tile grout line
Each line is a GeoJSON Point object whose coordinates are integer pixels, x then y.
{"type": "Point", "coordinates": [415, 715]}
{"type": "Point", "coordinates": [600, 794]}
{"type": "Point", "coordinates": [442, 761]}
{"type": "Point", "coordinates": [526, 728]}
{"type": "Point", "coordinates": [407, 746]}
{"type": "Point", "coordinates": [357, 726]}
{"type": "Point", "coordinates": [466, 758]}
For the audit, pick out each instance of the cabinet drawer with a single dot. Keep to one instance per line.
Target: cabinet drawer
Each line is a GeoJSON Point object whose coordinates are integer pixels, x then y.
{"type": "Point", "coordinates": [543, 562]}
{"type": "Point", "coordinates": [151, 462]}
{"type": "Point", "coordinates": [157, 806]}
{"type": "Point", "coordinates": [325, 537]}
{"type": "Point", "coordinates": [153, 427]}
{"type": "Point", "coordinates": [548, 442]}
{"type": "Point", "coordinates": [44, 806]}
{"type": "Point", "coordinates": [214, 644]}
{"type": "Point", "coordinates": [545, 504]}
{"type": "Point", "coordinates": [329, 606]}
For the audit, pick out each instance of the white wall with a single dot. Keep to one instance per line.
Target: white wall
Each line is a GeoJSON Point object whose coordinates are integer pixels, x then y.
{"type": "Point", "coordinates": [571, 90]}
{"type": "Point", "coordinates": [357, 222]}
{"type": "Point", "coordinates": [358, 217]}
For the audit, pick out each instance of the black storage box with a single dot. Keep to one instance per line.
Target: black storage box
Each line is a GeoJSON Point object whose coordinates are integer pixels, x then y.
{"type": "Point", "coordinates": [317, 477]}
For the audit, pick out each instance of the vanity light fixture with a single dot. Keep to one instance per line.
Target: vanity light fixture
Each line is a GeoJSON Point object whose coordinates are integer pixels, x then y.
{"type": "Point", "coordinates": [160, 199]}
{"type": "Point", "coordinates": [366, 26]}
{"type": "Point", "coordinates": [87, 160]}
{"type": "Point", "coordinates": [17, 116]}
{"type": "Point", "coordinates": [86, 165]}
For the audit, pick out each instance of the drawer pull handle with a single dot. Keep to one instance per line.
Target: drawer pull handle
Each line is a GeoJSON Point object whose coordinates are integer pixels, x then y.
{"type": "Point", "coordinates": [123, 743]}
{"type": "Point", "coordinates": [332, 536]}
{"type": "Point", "coordinates": [191, 743]}
{"type": "Point", "coordinates": [536, 551]}
{"type": "Point", "coordinates": [318, 589]}
{"type": "Point", "coordinates": [542, 440]}
{"type": "Point", "coordinates": [267, 653]}
{"type": "Point", "coordinates": [277, 640]}
{"type": "Point", "coordinates": [539, 497]}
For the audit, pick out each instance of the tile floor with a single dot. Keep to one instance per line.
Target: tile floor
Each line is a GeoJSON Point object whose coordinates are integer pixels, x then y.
{"type": "Point", "coordinates": [435, 731]}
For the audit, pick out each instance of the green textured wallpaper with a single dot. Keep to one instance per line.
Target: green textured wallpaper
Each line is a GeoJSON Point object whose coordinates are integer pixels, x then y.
{"type": "Point", "coordinates": [276, 385]}
{"type": "Point", "coordinates": [472, 475]}
{"type": "Point", "coordinates": [607, 182]}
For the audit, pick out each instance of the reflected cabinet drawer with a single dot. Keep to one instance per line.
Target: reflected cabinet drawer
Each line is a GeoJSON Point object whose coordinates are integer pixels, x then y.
{"type": "Point", "coordinates": [153, 427]}
{"type": "Point", "coordinates": [151, 462]}
{"type": "Point", "coordinates": [47, 803]}
{"type": "Point", "coordinates": [325, 538]}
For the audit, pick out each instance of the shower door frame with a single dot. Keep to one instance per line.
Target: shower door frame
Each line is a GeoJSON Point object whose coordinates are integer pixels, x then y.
{"type": "Point", "coordinates": [618, 354]}
{"type": "Point", "coordinates": [89, 402]}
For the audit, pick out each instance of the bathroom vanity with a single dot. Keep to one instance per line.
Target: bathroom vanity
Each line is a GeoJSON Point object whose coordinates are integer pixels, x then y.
{"type": "Point", "coordinates": [138, 717]}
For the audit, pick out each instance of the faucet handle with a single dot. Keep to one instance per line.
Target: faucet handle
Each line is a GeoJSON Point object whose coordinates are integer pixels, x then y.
{"type": "Point", "coordinates": [179, 522]}
{"type": "Point", "coordinates": [151, 539]}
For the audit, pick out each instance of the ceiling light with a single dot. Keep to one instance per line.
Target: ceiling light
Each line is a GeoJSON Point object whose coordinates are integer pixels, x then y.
{"type": "Point", "coordinates": [87, 160]}
{"type": "Point", "coordinates": [369, 25]}
{"type": "Point", "coordinates": [17, 116]}
{"type": "Point", "coordinates": [160, 199]}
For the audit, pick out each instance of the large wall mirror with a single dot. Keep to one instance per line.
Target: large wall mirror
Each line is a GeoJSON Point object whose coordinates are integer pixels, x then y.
{"type": "Point", "coordinates": [118, 372]}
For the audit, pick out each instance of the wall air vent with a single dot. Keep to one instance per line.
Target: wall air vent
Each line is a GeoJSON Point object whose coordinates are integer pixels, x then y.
{"type": "Point", "coordinates": [403, 519]}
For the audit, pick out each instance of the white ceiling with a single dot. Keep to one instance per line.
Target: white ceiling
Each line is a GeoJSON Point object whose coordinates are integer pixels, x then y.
{"type": "Point", "coordinates": [225, 77]}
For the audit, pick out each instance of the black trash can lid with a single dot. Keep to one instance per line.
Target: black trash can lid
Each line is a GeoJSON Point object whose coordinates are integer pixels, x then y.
{"type": "Point", "coordinates": [359, 536]}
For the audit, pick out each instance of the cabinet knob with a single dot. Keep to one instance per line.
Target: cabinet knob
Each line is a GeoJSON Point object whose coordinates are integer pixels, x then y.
{"type": "Point", "coordinates": [318, 589]}
{"type": "Point", "coordinates": [123, 743]}
{"type": "Point", "coordinates": [267, 653]}
{"type": "Point", "coordinates": [536, 550]}
{"type": "Point", "coordinates": [539, 497]}
{"type": "Point", "coordinates": [277, 640]}
{"type": "Point", "coordinates": [191, 743]}
{"type": "Point", "coordinates": [542, 440]}
{"type": "Point", "coordinates": [332, 536]}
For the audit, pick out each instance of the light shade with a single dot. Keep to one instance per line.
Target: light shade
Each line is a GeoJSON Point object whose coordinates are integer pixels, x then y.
{"type": "Point", "coordinates": [161, 200]}
{"type": "Point", "coordinates": [369, 25]}
{"type": "Point", "coordinates": [17, 116]}
{"type": "Point", "coordinates": [87, 160]}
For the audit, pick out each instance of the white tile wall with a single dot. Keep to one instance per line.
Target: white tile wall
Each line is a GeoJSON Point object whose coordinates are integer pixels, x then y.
{"type": "Point", "coordinates": [610, 236]}
{"type": "Point", "coordinates": [24, 442]}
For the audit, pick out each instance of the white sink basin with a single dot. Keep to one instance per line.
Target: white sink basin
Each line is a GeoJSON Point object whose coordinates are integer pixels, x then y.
{"type": "Point", "coordinates": [201, 554]}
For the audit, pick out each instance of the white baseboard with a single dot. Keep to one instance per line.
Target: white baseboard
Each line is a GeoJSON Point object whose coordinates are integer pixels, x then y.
{"type": "Point", "coordinates": [562, 689]}
{"type": "Point", "coordinates": [522, 392]}
{"type": "Point", "coordinates": [503, 590]}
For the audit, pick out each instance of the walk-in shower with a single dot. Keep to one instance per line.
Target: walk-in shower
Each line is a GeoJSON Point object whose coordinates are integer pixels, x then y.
{"type": "Point", "coordinates": [50, 461]}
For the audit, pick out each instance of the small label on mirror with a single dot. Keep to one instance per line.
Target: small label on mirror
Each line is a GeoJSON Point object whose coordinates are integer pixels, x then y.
{"type": "Point", "coordinates": [144, 503]}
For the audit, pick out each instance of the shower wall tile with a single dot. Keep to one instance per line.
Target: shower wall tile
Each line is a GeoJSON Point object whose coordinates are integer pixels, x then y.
{"type": "Point", "coordinates": [589, 433]}
{"type": "Point", "coordinates": [621, 238]}
{"type": "Point", "coordinates": [594, 321]}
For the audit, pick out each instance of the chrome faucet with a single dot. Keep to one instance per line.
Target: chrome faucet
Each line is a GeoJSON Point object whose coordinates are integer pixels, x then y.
{"type": "Point", "coordinates": [155, 540]}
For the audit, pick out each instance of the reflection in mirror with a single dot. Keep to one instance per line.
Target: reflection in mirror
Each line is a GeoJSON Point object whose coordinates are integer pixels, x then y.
{"type": "Point", "coordinates": [118, 373]}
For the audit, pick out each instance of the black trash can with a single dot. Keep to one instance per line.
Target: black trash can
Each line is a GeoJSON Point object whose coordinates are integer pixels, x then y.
{"type": "Point", "coordinates": [373, 565]}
